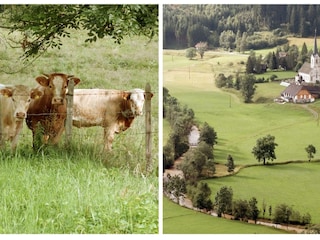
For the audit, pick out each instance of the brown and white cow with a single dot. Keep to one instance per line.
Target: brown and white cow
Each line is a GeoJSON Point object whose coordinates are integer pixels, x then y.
{"type": "Point", "coordinates": [14, 101]}
{"type": "Point", "coordinates": [114, 110]}
{"type": "Point", "coordinates": [48, 113]}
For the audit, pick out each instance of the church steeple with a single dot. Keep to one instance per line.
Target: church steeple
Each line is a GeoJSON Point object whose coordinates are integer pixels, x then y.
{"type": "Point", "coordinates": [315, 47]}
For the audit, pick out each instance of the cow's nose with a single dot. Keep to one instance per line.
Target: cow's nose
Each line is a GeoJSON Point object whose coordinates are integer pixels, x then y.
{"type": "Point", "coordinates": [57, 100]}
{"type": "Point", "coordinates": [20, 115]}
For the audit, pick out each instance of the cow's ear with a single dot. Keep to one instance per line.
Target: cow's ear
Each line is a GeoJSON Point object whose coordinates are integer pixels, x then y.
{"type": "Point", "coordinates": [75, 80]}
{"type": "Point", "coordinates": [43, 81]}
{"type": "Point", "coordinates": [7, 92]}
{"type": "Point", "coordinates": [35, 93]}
{"type": "Point", "coordinates": [126, 95]}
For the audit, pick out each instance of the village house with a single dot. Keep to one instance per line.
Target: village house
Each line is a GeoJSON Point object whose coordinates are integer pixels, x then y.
{"type": "Point", "coordinates": [305, 89]}
{"type": "Point", "coordinates": [300, 93]}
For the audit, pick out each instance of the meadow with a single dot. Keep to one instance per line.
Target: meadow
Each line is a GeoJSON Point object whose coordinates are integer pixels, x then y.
{"type": "Point", "coordinates": [182, 220]}
{"type": "Point", "coordinates": [239, 125]}
{"type": "Point", "coordinates": [81, 189]}
{"type": "Point", "coordinates": [293, 184]}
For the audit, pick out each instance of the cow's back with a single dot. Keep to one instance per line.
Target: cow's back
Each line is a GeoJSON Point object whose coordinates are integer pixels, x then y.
{"type": "Point", "coordinates": [96, 107]}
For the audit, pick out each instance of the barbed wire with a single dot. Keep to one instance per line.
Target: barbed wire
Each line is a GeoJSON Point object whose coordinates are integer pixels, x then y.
{"type": "Point", "coordinates": [109, 91]}
{"type": "Point", "coordinates": [92, 134]}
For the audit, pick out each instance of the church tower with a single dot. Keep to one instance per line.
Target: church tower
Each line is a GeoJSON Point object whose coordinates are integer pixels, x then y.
{"type": "Point", "coordinates": [315, 54]}
{"type": "Point", "coordinates": [315, 61]}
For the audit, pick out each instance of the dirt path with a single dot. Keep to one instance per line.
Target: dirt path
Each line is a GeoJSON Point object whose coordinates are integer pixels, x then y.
{"type": "Point", "coordinates": [313, 112]}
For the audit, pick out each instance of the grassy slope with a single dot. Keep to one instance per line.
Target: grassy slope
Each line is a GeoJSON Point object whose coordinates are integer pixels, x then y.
{"type": "Point", "coordinates": [182, 220]}
{"type": "Point", "coordinates": [240, 125]}
{"type": "Point", "coordinates": [294, 184]}
{"type": "Point", "coordinates": [71, 191]}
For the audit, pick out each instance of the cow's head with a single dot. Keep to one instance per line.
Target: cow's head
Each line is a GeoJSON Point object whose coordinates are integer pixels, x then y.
{"type": "Point", "coordinates": [56, 85]}
{"type": "Point", "coordinates": [20, 96]}
{"type": "Point", "coordinates": [136, 98]}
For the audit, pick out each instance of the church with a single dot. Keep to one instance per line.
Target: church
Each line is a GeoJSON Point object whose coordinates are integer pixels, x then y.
{"type": "Point", "coordinates": [310, 72]}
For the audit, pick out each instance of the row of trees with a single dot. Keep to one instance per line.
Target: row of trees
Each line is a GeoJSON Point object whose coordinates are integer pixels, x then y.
{"type": "Point", "coordinates": [242, 209]}
{"type": "Point", "coordinates": [181, 119]}
{"type": "Point", "coordinates": [286, 57]}
{"type": "Point", "coordinates": [236, 26]}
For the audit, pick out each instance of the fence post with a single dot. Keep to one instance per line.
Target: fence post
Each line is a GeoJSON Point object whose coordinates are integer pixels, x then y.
{"type": "Point", "coordinates": [69, 113]}
{"type": "Point", "coordinates": [148, 127]}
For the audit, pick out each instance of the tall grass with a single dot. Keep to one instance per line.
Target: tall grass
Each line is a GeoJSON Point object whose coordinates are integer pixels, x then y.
{"type": "Point", "coordinates": [65, 193]}
{"type": "Point", "coordinates": [81, 189]}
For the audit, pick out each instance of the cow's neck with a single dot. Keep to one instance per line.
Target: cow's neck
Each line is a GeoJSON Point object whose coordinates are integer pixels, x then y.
{"type": "Point", "coordinates": [126, 109]}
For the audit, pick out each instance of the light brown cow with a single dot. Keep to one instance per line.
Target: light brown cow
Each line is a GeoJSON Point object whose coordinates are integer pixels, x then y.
{"type": "Point", "coordinates": [114, 110]}
{"type": "Point", "coordinates": [14, 101]}
{"type": "Point", "coordinates": [48, 113]}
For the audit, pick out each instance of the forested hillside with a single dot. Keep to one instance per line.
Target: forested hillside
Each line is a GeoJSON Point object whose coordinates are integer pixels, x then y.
{"type": "Point", "coordinates": [236, 27]}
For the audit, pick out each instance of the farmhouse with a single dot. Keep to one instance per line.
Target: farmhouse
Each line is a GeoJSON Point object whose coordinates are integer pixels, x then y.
{"type": "Point", "coordinates": [300, 93]}
{"type": "Point", "coordinates": [310, 72]}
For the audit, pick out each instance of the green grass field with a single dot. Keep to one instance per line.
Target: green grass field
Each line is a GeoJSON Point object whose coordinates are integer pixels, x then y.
{"type": "Point", "coordinates": [295, 184]}
{"type": "Point", "coordinates": [239, 125]}
{"type": "Point", "coordinates": [178, 219]}
{"type": "Point", "coordinates": [82, 189]}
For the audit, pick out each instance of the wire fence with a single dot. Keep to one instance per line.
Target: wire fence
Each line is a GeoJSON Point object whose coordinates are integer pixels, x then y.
{"type": "Point", "coordinates": [69, 133]}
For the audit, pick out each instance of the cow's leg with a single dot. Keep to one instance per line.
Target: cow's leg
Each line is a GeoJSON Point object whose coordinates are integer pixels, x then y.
{"type": "Point", "coordinates": [16, 135]}
{"type": "Point", "coordinates": [108, 138]}
{"type": "Point", "coordinates": [57, 135]}
{"type": "Point", "coordinates": [1, 139]}
{"type": "Point", "coordinates": [2, 135]}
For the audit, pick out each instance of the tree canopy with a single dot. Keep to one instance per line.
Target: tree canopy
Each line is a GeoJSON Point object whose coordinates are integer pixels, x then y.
{"type": "Point", "coordinates": [43, 26]}
{"type": "Point", "coordinates": [310, 149]}
{"type": "Point", "coordinates": [265, 149]}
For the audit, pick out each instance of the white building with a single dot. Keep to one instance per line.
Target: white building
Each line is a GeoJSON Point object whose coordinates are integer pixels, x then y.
{"type": "Point", "coordinates": [310, 72]}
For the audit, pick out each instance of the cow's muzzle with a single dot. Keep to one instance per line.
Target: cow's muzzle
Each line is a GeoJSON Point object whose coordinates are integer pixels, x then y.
{"type": "Point", "coordinates": [20, 115]}
{"type": "Point", "coordinates": [57, 100]}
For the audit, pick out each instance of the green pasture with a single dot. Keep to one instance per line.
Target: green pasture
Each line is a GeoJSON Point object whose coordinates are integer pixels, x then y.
{"type": "Point", "coordinates": [239, 125]}
{"type": "Point", "coordinates": [82, 189]}
{"type": "Point", "coordinates": [295, 184]}
{"type": "Point", "coordinates": [178, 219]}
